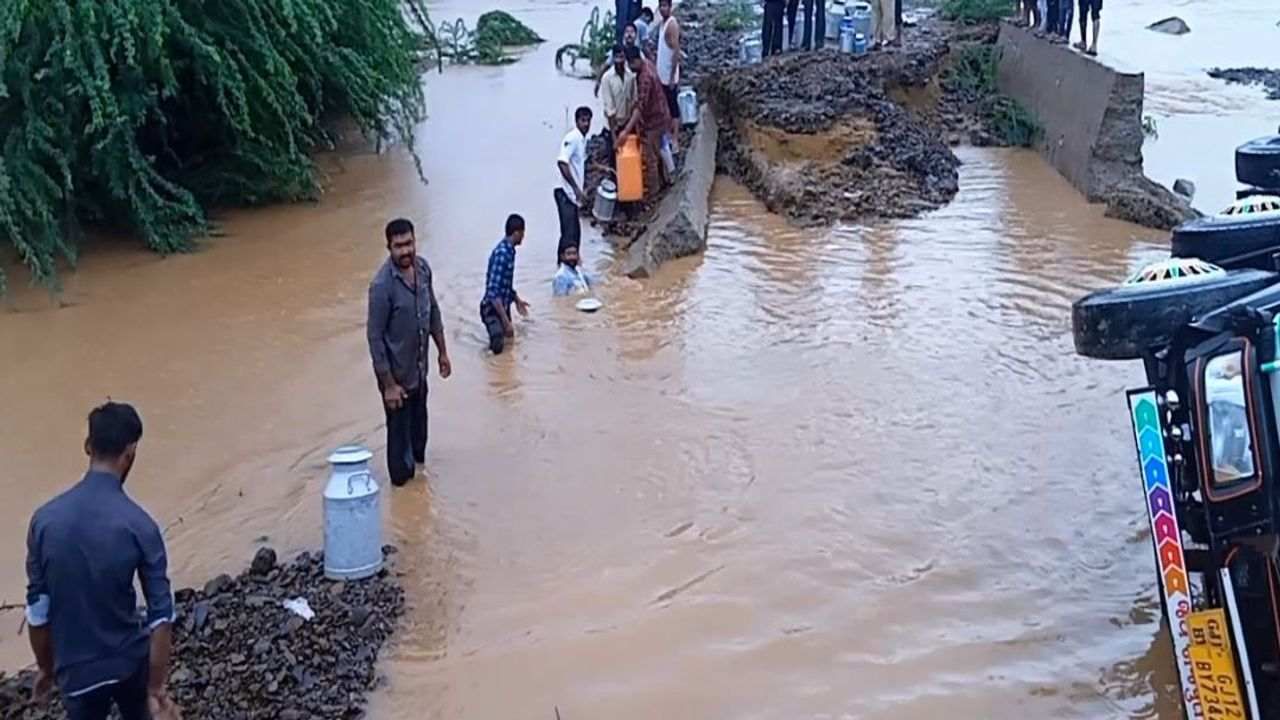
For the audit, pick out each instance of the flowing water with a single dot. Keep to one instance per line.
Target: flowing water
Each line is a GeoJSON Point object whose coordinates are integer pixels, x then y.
{"type": "Point", "coordinates": [850, 473]}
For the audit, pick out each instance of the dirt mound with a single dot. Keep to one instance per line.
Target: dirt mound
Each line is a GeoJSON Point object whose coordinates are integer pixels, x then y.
{"type": "Point", "coordinates": [239, 654]}
{"type": "Point", "coordinates": [817, 137]}
{"type": "Point", "coordinates": [824, 136]}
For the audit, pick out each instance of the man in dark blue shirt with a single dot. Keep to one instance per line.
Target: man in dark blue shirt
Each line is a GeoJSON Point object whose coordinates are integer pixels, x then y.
{"type": "Point", "coordinates": [403, 317]}
{"type": "Point", "coordinates": [499, 287]}
{"type": "Point", "coordinates": [84, 548]}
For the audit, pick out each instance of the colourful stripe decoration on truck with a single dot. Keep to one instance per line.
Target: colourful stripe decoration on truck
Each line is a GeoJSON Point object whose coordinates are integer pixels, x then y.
{"type": "Point", "coordinates": [1166, 536]}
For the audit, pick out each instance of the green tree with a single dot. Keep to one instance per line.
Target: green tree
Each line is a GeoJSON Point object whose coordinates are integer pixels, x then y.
{"type": "Point", "coordinates": [140, 114]}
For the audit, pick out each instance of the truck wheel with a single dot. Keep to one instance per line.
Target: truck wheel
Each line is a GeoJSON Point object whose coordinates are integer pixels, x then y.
{"type": "Point", "coordinates": [1258, 162]}
{"type": "Point", "coordinates": [1124, 322]}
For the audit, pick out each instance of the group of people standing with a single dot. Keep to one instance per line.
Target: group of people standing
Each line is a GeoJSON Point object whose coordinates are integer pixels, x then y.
{"type": "Point", "coordinates": [886, 24]}
{"type": "Point", "coordinates": [1051, 19]}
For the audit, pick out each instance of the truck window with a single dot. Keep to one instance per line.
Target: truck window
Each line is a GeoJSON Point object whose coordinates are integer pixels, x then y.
{"type": "Point", "coordinates": [1230, 437]}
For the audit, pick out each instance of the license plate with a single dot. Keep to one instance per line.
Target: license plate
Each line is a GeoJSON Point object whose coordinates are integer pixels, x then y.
{"type": "Point", "coordinates": [1214, 665]}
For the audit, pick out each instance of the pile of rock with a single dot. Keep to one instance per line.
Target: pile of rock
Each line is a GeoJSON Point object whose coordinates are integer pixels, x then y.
{"type": "Point", "coordinates": [878, 126]}
{"type": "Point", "coordinates": [1268, 78]}
{"type": "Point", "coordinates": [240, 654]}
{"type": "Point", "coordinates": [872, 158]}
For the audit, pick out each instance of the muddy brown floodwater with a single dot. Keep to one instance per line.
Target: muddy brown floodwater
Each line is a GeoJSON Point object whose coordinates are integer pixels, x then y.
{"type": "Point", "coordinates": [847, 473]}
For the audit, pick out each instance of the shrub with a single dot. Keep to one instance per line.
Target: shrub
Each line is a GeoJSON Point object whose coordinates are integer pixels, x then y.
{"type": "Point", "coordinates": [976, 11]}
{"type": "Point", "coordinates": [140, 114]}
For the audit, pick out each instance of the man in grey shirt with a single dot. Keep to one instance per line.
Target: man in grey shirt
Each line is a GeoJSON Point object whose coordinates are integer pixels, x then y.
{"type": "Point", "coordinates": [84, 549]}
{"type": "Point", "coordinates": [402, 315]}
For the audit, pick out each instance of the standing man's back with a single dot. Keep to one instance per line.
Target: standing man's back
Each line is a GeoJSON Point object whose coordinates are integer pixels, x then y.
{"type": "Point", "coordinates": [84, 549]}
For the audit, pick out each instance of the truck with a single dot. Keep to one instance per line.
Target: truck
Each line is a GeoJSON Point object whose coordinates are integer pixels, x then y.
{"type": "Point", "coordinates": [1205, 323]}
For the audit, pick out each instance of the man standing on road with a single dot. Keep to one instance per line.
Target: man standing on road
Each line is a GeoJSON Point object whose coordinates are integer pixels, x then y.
{"type": "Point", "coordinates": [403, 314]}
{"type": "Point", "coordinates": [771, 30]}
{"type": "Point", "coordinates": [650, 119]}
{"type": "Point", "coordinates": [1087, 8]}
{"type": "Point", "coordinates": [572, 163]}
{"type": "Point", "coordinates": [669, 62]}
{"type": "Point", "coordinates": [84, 549]}
{"type": "Point", "coordinates": [499, 287]}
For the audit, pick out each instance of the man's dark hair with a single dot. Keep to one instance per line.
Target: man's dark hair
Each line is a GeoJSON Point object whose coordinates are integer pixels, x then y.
{"type": "Point", "coordinates": [113, 427]}
{"type": "Point", "coordinates": [515, 224]}
{"type": "Point", "coordinates": [633, 53]}
{"type": "Point", "coordinates": [582, 112]}
{"type": "Point", "coordinates": [399, 226]}
{"type": "Point", "coordinates": [647, 14]}
{"type": "Point", "coordinates": [664, 2]}
{"type": "Point", "coordinates": [619, 50]}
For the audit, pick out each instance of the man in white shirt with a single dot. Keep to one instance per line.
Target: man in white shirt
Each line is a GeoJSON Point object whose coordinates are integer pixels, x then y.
{"type": "Point", "coordinates": [572, 162]}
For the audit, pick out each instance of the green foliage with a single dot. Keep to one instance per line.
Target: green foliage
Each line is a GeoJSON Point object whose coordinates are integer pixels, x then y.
{"type": "Point", "coordinates": [487, 44]}
{"type": "Point", "coordinates": [972, 71]}
{"type": "Point", "coordinates": [594, 45]}
{"type": "Point", "coordinates": [139, 114]}
{"type": "Point", "coordinates": [1012, 122]}
{"type": "Point", "coordinates": [734, 16]}
{"type": "Point", "coordinates": [503, 29]}
{"type": "Point", "coordinates": [976, 11]}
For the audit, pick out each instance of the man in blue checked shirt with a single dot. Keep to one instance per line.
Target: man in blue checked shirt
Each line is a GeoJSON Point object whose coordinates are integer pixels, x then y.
{"type": "Point", "coordinates": [84, 549]}
{"type": "Point", "coordinates": [499, 287]}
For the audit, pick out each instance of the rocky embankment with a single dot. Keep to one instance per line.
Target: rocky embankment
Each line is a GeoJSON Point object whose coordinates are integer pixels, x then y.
{"type": "Point", "coordinates": [826, 136]}
{"type": "Point", "coordinates": [240, 654]}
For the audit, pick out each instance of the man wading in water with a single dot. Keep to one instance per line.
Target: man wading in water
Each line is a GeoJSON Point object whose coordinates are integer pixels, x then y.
{"type": "Point", "coordinates": [84, 549]}
{"type": "Point", "coordinates": [402, 314]}
{"type": "Point", "coordinates": [499, 288]}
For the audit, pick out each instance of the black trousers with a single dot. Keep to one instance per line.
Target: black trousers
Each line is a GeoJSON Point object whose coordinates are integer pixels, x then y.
{"type": "Point", "coordinates": [897, 17]}
{"type": "Point", "coordinates": [771, 42]}
{"type": "Point", "coordinates": [570, 222]}
{"type": "Point", "coordinates": [793, 6]}
{"type": "Point", "coordinates": [129, 696]}
{"type": "Point", "coordinates": [407, 435]}
{"type": "Point", "coordinates": [815, 36]}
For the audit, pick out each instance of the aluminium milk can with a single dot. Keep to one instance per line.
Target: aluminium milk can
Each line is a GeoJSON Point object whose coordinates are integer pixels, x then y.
{"type": "Point", "coordinates": [687, 100]}
{"type": "Point", "coordinates": [352, 516]}
{"type": "Point", "coordinates": [606, 201]}
{"type": "Point", "coordinates": [861, 15]}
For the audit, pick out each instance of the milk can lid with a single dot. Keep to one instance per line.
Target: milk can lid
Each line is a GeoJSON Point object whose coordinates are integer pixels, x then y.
{"type": "Point", "coordinates": [350, 455]}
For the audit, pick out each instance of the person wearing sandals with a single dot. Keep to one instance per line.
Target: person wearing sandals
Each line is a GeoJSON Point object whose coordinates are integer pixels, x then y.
{"type": "Point", "coordinates": [1087, 8]}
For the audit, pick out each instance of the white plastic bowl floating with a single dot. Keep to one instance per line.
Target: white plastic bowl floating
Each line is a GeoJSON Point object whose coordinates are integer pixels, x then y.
{"type": "Point", "coordinates": [589, 305]}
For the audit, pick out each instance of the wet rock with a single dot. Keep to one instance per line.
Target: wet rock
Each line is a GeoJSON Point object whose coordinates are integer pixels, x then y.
{"type": "Point", "coordinates": [1147, 203]}
{"type": "Point", "coordinates": [1268, 78]}
{"type": "Point", "coordinates": [263, 562]}
{"type": "Point", "coordinates": [239, 671]}
{"type": "Point", "coordinates": [1185, 188]}
{"type": "Point", "coordinates": [200, 614]}
{"type": "Point", "coordinates": [218, 585]}
{"type": "Point", "coordinates": [1170, 26]}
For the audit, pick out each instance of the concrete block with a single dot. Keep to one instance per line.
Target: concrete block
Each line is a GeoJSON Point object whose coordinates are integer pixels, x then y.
{"type": "Point", "coordinates": [680, 226]}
